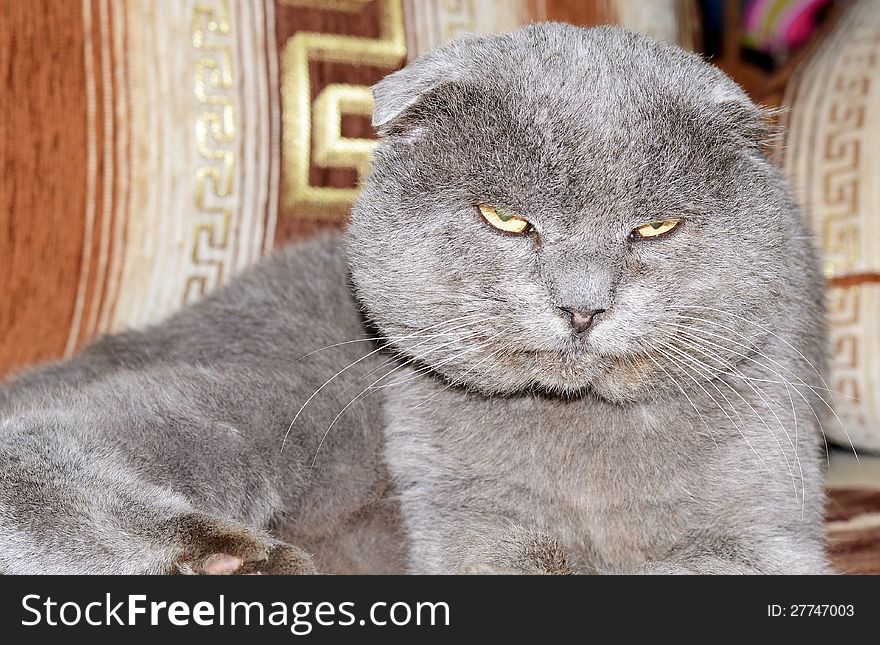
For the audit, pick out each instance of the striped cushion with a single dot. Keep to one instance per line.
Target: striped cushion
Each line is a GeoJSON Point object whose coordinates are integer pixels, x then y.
{"type": "Point", "coordinates": [831, 155]}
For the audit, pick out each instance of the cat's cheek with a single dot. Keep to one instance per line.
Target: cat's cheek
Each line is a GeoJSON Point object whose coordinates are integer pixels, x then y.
{"type": "Point", "coordinates": [637, 266]}
{"type": "Point", "coordinates": [636, 308]}
{"type": "Point", "coordinates": [613, 336]}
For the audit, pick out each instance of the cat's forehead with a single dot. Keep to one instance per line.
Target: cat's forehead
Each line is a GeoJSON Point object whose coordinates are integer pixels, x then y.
{"type": "Point", "coordinates": [602, 67]}
{"type": "Point", "coordinates": [561, 116]}
{"type": "Point", "coordinates": [584, 87]}
{"type": "Point", "coordinates": [563, 152]}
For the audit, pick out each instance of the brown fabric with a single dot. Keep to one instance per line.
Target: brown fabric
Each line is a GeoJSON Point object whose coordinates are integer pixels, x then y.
{"type": "Point", "coordinates": [578, 12]}
{"type": "Point", "coordinates": [139, 170]}
{"type": "Point", "coordinates": [853, 280]}
{"type": "Point", "coordinates": [42, 187]}
{"type": "Point", "coordinates": [848, 503]}
{"type": "Point", "coordinates": [853, 512]}
{"type": "Point", "coordinates": [854, 529]}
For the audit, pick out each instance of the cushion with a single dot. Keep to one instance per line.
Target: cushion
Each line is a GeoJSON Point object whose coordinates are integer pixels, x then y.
{"type": "Point", "coordinates": [830, 155]}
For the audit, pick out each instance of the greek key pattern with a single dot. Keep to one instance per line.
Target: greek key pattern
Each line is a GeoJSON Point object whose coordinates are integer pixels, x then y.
{"type": "Point", "coordinates": [215, 132]}
{"type": "Point", "coordinates": [842, 83]}
{"type": "Point", "coordinates": [841, 155]}
{"type": "Point", "coordinates": [843, 208]}
{"type": "Point", "coordinates": [832, 159]}
{"type": "Point", "coordinates": [844, 312]}
{"type": "Point", "coordinates": [313, 132]}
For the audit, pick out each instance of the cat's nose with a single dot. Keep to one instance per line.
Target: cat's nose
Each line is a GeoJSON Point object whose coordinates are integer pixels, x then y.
{"type": "Point", "coordinates": [580, 319]}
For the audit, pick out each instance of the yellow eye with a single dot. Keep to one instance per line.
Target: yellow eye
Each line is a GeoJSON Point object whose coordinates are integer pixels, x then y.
{"type": "Point", "coordinates": [655, 228]}
{"type": "Point", "coordinates": [504, 220]}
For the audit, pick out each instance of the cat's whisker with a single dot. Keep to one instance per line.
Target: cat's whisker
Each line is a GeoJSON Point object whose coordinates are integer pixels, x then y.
{"type": "Point", "coordinates": [764, 329]}
{"type": "Point", "coordinates": [360, 396]}
{"type": "Point", "coordinates": [723, 411]}
{"type": "Point", "coordinates": [710, 381]}
{"type": "Point", "coordinates": [739, 375]}
{"type": "Point", "coordinates": [370, 339]}
{"type": "Point", "coordinates": [749, 347]}
{"type": "Point", "coordinates": [773, 334]}
{"type": "Point", "coordinates": [397, 356]}
{"type": "Point", "coordinates": [693, 405]}
{"type": "Point", "coordinates": [704, 347]}
{"type": "Point", "coordinates": [372, 388]}
{"type": "Point", "coordinates": [761, 354]}
{"type": "Point", "coordinates": [706, 370]}
{"type": "Point", "coordinates": [464, 335]}
{"type": "Point", "coordinates": [431, 368]}
{"type": "Point", "coordinates": [736, 373]}
{"type": "Point", "coordinates": [762, 394]}
{"type": "Point", "coordinates": [349, 366]}
{"type": "Point", "coordinates": [675, 382]}
{"type": "Point", "coordinates": [711, 373]}
{"type": "Point", "coordinates": [369, 390]}
{"type": "Point", "coordinates": [460, 379]}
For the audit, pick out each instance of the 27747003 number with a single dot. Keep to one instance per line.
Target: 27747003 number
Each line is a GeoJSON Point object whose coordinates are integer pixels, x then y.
{"type": "Point", "coordinates": [810, 610]}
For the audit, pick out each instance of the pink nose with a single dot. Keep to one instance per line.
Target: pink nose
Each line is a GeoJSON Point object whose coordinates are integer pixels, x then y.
{"type": "Point", "coordinates": [580, 319]}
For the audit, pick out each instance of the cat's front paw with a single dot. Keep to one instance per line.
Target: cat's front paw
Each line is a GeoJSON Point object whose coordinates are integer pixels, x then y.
{"type": "Point", "coordinates": [215, 547]}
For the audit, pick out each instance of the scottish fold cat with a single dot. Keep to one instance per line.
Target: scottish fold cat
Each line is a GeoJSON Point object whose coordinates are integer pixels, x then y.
{"type": "Point", "coordinates": [575, 326]}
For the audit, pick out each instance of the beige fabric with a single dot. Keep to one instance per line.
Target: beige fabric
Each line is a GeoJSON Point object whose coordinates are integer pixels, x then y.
{"type": "Point", "coordinates": [191, 217]}
{"type": "Point", "coordinates": [832, 158]}
{"type": "Point", "coordinates": [430, 23]}
{"type": "Point", "coordinates": [141, 140]}
{"type": "Point", "coordinates": [177, 213]}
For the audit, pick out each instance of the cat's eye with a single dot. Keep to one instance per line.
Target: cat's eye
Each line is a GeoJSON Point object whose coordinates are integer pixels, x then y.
{"type": "Point", "coordinates": [654, 229]}
{"type": "Point", "coordinates": [504, 220]}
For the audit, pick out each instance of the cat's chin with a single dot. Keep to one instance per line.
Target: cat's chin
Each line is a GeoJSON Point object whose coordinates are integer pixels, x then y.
{"type": "Point", "coordinates": [619, 380]}
{"type": "Point", "coordinates": [616, 379]}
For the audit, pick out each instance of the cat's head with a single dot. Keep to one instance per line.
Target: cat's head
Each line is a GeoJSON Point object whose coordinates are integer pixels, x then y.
{"type": "Point", "coordinates": [558, 208]}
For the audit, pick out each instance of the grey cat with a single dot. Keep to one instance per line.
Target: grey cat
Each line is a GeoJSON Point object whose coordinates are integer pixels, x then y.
{"type": "Point", "coordinates": [574, 326]}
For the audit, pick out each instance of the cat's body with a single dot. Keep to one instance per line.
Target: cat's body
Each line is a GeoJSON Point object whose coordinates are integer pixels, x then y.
{"type": "Point", "coordinates": [200, 406]}
{"type": "Point", "coordinates": [675, 431]}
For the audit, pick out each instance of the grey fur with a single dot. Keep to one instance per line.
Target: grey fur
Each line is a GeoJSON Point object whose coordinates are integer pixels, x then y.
{"type": "Point", "coordinates": [493, 438]}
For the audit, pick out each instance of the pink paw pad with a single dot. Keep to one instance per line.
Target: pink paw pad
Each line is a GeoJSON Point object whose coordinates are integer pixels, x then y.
{"type": "Point", "coordinates": [221, 564]}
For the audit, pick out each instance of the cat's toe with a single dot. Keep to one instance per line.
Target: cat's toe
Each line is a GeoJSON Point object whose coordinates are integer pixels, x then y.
{"type": "Point", "coordinates": [214, 547]}
{"type": "Point", "coordinates": [282, 559]}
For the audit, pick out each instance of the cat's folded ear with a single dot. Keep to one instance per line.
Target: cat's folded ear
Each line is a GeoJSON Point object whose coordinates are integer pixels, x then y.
{"type": "Point", "coordinates": [737, 114]}
{"type": "Point", "coordinates": [398, 93]}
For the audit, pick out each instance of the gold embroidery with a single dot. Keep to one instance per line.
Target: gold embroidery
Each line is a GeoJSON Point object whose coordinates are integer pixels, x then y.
{"type": "Point", "coordinates": [330, 148]}
{"type": "Point", "coordinates": [215, 130]}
